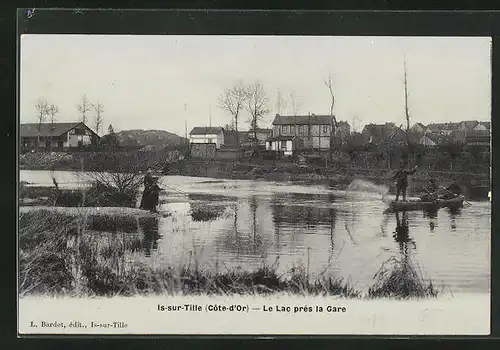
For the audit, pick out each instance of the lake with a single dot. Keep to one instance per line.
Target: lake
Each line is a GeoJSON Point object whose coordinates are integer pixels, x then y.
{"type": "Point", "coordinates": [342, 233]}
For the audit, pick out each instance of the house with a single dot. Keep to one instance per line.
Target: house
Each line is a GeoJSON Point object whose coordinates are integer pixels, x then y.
{"type": "Point", "coordinates": [378, 133]}
{"type": "Point", "coordinates": [428, 141]}
{"type": "Point", "coordinates": [207, 134]}
{"type": "Point", "coordinates": [301, 132]}
{"type": "Point", "coordinates": [282, 144]}
{"type": "Point", "coordinates": [483, 126]}
{"type": "Point", "coordinates": [442, 128]}
{"type": "Point", "coordinates": [468, 125]}
{"type": "Point", "coordinates": [478, 138]}
{"type": "Point", "coordinates": [418, 128]}
{"type": "Point", "coordinates": [262, 136]}
{"type": "Point", "coordinates": [57, 135]}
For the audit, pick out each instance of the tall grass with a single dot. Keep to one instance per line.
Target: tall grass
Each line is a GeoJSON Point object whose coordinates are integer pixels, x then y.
{"type": "Point", "coordinates": [106, 263]}
{"type": "Point", "coordinates": [87, 256]}
{"type": "Point", "coordinates": [399, 277]}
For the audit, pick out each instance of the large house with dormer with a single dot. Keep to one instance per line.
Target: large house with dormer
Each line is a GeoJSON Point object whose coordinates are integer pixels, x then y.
{"type": "Point", "coordinates": [300, 133]}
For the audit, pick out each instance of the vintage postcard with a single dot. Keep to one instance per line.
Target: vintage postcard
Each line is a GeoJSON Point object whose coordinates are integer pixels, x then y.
{"type": "Point", "coordinates": [295, 185]}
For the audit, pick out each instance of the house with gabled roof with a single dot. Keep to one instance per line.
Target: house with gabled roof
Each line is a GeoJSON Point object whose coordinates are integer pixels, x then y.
{"type": "Point", "coordinates": [300, 132]}
{"type": "Point", "coordinates": [483, 126]}
{"type": "Point", "coordinates": [418, 128]}
{"type": "Point", "coordinates": [379, 133]}
{"type": "Point", "coordinates": [57, 135]}
{"type": "Point", "coordinates": [207, 135]}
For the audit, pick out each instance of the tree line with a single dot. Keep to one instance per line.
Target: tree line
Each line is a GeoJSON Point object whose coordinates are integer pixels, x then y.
{"type": "Point", "coordinates": [46, 111]}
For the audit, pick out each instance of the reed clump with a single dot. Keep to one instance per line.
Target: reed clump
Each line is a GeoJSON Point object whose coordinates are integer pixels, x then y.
{"type": "Point", "coordinates": [206, 212]}
{"type": "Point", "coordinates": [400, 278]}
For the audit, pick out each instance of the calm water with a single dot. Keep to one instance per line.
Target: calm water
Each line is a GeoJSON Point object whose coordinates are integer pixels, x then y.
{"type": "Point", "coordinates": [343, 233]}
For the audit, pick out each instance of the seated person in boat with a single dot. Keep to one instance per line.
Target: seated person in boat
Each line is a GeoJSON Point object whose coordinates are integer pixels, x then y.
{"type": "Point", "coordinates": [401, 178]}
{"type": "Point", "coordinates": [431, 190]}
{"type": "Point", "coordinates": [451, 191]}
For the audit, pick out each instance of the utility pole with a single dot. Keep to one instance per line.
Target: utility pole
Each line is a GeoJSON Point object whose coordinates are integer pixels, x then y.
{"type": "Point", "coordinates": [210, 116]}
{"type": "Point", "coordinates": [185, 123]}
{"type": "Point", "coordinates": [407, 112]}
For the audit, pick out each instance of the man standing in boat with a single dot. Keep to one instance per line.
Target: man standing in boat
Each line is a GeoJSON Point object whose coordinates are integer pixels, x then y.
{"type": "Point", "coordinates": [401, 178]}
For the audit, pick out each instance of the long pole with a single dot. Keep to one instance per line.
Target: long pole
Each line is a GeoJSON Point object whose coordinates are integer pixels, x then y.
{"type": "Point", "coordinates": [185, 122]}
{"type": "Point", "coordinates": [407, 112]}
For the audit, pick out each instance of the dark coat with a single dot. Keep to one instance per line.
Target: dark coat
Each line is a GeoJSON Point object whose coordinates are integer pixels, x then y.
{"type": "Point", "coordinates": [401, 177]}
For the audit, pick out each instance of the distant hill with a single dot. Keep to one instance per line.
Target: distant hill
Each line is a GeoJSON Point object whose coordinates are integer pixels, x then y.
{"type": "Point", "coordinates": [154, 138]}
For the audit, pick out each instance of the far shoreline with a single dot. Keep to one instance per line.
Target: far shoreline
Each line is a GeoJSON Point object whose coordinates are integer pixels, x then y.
{"type": "Point", "coordinates": [474, 185]}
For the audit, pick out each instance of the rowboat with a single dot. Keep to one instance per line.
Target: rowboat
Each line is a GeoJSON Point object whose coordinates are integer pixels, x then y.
{"type": "Point", "coordinates": [456, 202]}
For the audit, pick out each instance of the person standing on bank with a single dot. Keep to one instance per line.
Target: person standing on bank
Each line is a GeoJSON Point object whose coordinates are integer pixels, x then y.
{"type": "Point", "coordinates": [401, 178]}
{"type": "Point", "coordinates": [148, 182]}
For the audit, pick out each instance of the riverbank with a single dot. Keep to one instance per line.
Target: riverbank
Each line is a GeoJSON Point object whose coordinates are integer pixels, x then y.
{"type": "Point", "coordinates": [97, 252]}
{"type": "Point", "coordinates": [475, 184]}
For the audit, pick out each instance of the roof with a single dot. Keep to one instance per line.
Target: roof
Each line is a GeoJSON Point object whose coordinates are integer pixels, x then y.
{"type": "Point", "coordinates": [427, 137]}
{"type": "Point", "coordinates": [302, 119]}
{"type": "Point", "coordinates": [262, 130]}
{"type": "Point", "coordinates": [487, 125]}
{"type": "Point", "coordinates": [281, 138]}
{"type": "Point", "coordinates": [47, 129]}
{"type": "Point", "coordinates": [380, 128]}
{"type": "Point", "coordinates": [470, 124]}
{"type": "Point", "coordinates": [437, 127]}
{"type": "Point", "coordinates": [204, 130]}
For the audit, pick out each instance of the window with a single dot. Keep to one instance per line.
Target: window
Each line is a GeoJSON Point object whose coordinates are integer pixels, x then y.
{"type": "Point", "coordinates": [301, 130]}
{"type": "Point", "coordinates": [283, 144]}
{"type": "Point", "coordinates": [283, 129]}
{"type": "Point", "coordinates": [300, 143]}
{"type": "Point", "coordinates": [292, 129]}
{"type": "Point", "coordinates": [325, 129]}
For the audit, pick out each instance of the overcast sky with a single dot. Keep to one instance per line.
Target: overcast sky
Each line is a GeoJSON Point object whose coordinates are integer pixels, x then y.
{"type": "Point", "coordinates": [144, 82]}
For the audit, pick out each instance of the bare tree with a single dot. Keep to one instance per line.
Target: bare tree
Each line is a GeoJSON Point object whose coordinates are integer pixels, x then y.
{"type": "Point", "coordinates": [52, 111]}
{"type": "Point", "coordinates": [42, 110]}
{"type": "Point", "coordinates": [280, 103]}
{"type": "Point", "coordinates": [407, 114]}
{"type": "Point", "coordinates": [84, 108]}
{"type": "Point", "coordinates": [232, 100]}
{"type": "Point", "coordinates": [329, 85]}
{"type": "Point", "coordinates": [98, 110]}
{"type": "Point", "coordinates": [257, 101]}
{"type": "Point", "coordinates": [295, 103]}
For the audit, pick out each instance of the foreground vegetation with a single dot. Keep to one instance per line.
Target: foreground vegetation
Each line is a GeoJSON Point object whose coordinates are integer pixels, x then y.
{"type": "Point", "coordinates": [63, 254]}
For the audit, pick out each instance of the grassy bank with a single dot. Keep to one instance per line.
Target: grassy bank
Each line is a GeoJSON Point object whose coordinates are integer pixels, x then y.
{"type": "Point", "coordinates": [65, 252]}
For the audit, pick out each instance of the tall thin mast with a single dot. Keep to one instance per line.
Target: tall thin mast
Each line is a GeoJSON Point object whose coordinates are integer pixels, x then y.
{"type": "Point", "coordinates": [210, 116]}
{"type": "Point", "coordinates": [185, 121]}
{"type": "Point", "coordinates": [407, 112]}
{"type": "Point", "coordinates": [406, 99]}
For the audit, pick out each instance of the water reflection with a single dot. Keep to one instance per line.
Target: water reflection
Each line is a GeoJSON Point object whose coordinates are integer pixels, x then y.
{"type": "Point", "coordinates": [399, 275]}
{"type": "Point", "coordinates": [148, 227]}
{"type": "Point", "coordinates": [454, 213]}
{"type": "Point", "coordinates": [432, 215]}
{"type": "Point", "coordinates": [402, 232]}
{"type": "Point", "coordinates": [294, 210]}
